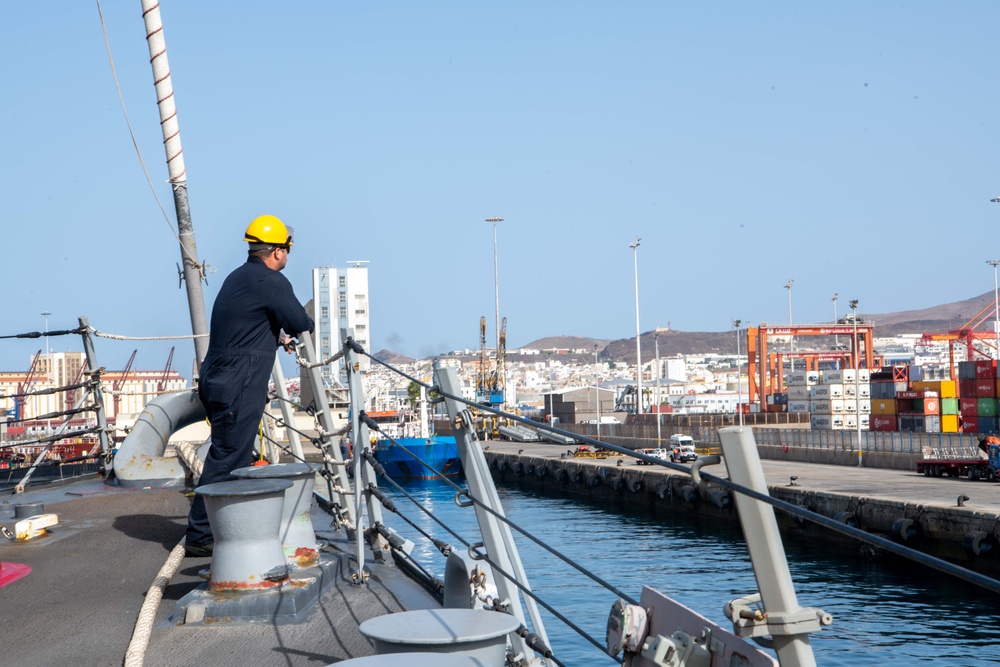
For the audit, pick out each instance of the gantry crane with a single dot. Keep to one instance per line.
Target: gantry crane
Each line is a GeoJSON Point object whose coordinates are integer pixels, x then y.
{"type": "Point", "coordinates": [26, 386]}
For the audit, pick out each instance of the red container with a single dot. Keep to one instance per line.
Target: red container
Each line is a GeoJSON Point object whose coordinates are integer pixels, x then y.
{"type": "Point", "coordinates": [905, 404]}
{"type": "Point", "coordinates": [967, 388]}
{"type": "Point", "coordinates": [986, 369]}
{"type": "Point", "coordinates": [986, 388]}
{"type": "Point", "coordinates": [882, 423]}
{"type": "Point", "coordinates": [969, 426]}
{"type": "Point", "coordinates": [968, 404]}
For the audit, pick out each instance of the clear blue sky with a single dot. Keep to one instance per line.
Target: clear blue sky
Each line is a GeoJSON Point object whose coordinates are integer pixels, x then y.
{"type": "Point", "coordinates": [850, 146]}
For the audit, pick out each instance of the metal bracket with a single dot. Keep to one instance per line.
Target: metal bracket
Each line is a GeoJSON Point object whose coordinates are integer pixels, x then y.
{"type": "Point", "coordinates": [711, 460]}
{"type": "Point", "coordinates": [750, 620]}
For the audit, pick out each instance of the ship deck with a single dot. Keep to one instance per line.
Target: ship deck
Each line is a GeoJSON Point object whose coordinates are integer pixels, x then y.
{"type": "Point", "coordinates": [90, 575]}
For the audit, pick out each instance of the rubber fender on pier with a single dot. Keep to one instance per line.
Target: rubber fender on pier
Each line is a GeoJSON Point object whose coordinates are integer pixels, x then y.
{"type": "Point", "coordinates": [493, 464]}
{"type": "Point", "coordinates": [720, 498]}
{"type": "Point", "coordinates": [977, 543]}
{"type": "Point", "coordinates": [561, 474]}
{"type": "Point", "coordinates": [502, 466]}
{"type": "Point", "coordinates": [541, 472]}
{"type": "Point", "coordinates": [664, 491]}
{"type": "Point", "coordinates": [576, 477]}
{"type": "Point", "coordinates": [905, 529]}
{"type": "Point", "coordinates": [846, 518]}
{"type": "Point", "coordinates": [517, 467]}
{"type": "Point", "coordinates": [529, 468]}
{"type": "Point", "coordinates": [593, 480]}
{"type": "Point", "coordinates": [689, 494]}
{"type": "Point", "coordinates": [635, 485]}
{"type": "Point", "coordinates": [618, 483]}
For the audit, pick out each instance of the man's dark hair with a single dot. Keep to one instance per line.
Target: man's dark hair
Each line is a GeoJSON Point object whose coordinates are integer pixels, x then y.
{"type": "Point", "coordinates": [261, 250]}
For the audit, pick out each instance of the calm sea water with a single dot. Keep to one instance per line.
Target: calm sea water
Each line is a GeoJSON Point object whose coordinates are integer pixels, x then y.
{"type": "Point", "coordinates": [885, 612]}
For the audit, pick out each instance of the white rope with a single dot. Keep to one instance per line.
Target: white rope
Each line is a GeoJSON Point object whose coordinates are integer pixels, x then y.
{"type": "Point", "coordinates": [136, 653]}
{"type": "Point", "coordinates": [188, 455]}
{"type": "Point", "coordinates": [119, 337]}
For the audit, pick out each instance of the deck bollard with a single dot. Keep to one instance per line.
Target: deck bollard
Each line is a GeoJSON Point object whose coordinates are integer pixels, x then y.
{"type": "Point", "coordinates": [245, 516]}
{"type": "Point", "coordinates": [476, 633]}
{"type": "Point", "coordinates": [298, 537]}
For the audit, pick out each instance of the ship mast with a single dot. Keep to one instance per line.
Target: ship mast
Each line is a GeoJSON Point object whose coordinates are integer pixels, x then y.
{"type": "Point", "coordinates": [192, 271]}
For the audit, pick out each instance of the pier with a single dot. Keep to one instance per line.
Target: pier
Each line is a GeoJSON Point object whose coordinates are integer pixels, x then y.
{"type": "Point", "coordinates": [954, 519]}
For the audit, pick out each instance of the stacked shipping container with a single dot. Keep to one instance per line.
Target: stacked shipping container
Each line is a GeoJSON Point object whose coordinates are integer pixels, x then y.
{"type": "Point", "coordinates": [837, 399]}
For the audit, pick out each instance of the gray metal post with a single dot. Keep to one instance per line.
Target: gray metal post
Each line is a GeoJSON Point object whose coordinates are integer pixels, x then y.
{"type": "Point", "coordinates": [102, 421]}
{"type": "Point", "coordinates": [497, 537]}
{"type": "Point", "coordinates": [789, 623]}
{"type": "Point", "coordinates": [287, 413]}
{"type": "Point", "coordinates": [332, 449]}
{"type": "Point", "coordinates": [363, 472]}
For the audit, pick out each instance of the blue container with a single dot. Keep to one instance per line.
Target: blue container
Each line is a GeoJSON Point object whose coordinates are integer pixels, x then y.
{"type": "Point", "coordinates": [781, 399]}
{"type": "Point", "coordinates": [916, 373]}
{"type": "Point", "coordinates": [966, 370]}
{"type": "Point", "coordinates": [989, 425]}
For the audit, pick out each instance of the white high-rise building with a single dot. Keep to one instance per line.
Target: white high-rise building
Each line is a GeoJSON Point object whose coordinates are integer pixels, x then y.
{"type": "Point", "coordinates": [340, 301]}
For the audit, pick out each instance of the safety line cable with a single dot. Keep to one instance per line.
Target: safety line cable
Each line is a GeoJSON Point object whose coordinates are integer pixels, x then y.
{"type": "Point", "coordinates": [832, 524]}
{"type": "Point", "coordinates": [53, 415]}
{"type": "Point", "coordinates": [52, 390]}
{"type": "Point", "coordinates": [52, 438]}
{"type": "Point", "coordinates": [40, 334]}
{"type": "Point", "coordinates": [102, 334]}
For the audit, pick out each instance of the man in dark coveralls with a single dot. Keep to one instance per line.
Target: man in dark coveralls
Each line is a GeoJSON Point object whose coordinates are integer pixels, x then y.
{"type": "Point", "coordinates": [255, 305]}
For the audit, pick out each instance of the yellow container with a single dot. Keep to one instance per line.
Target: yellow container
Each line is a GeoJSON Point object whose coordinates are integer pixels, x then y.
{"type": "Point", "coordinates": [883, 406]}
{"type": "Point", "coordinates": [944, 388]}
{"type": "Point", "coordinates": [949, 423]}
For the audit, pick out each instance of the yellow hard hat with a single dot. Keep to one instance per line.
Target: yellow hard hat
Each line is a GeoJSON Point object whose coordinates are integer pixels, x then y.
{"type": "Point", "coordinates": [269, 230]}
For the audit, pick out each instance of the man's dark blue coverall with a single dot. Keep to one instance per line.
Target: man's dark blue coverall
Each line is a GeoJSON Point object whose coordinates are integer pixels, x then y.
{"type": "Point", "coordinates": [254, 305]}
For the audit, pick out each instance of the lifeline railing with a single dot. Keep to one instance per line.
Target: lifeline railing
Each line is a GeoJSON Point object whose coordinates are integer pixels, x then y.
{"type": "Point", "coordinates": [745, 481]}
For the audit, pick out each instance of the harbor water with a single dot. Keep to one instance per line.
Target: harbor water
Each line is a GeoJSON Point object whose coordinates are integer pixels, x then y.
{"type": "Point", "coordinates": [886, 611]}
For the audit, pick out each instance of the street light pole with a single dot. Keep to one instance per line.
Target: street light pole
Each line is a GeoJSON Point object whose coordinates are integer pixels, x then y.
{"type": "Point", "coordinates": [996, 307]}
{"type": "Point", "coordinates": [496, 278]}
{"type": "Point", "coordinates": [791, 338]}
{"type": "Point", "coordinates": [656, 346]}
{"type": "Point", "coordinates": [46, 314]}
{"type": "Point", "coordinates": [836, 339]}
{"type": "Point", "coordinates": [597, 388]}
{"type": "Point", "coordinates": [857, 374]}
{"type": "Point", "coordinates": [739, 376]}
{"type": "Point", "coordinates": [638, 352]}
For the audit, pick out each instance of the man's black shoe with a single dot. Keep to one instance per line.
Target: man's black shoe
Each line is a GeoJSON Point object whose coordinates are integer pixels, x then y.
{"type": "Point", "coordinates": [199, 550]}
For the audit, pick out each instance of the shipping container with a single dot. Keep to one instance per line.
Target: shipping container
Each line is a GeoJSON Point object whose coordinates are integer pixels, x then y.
{"type": "Point", "coordinates": [949, 423]}
{"type": "Point", "coordinates": [824, 391]}
{"type": "Point", "coordinates": [986, 369]}
{"type": "Point", "coordinates": [927, 406]}
{"type": "Point", "coordinates": [986, 407]}
{"type": "Point", "coordinates": [884, 406]}
{"type": "Point", "coordinates": [916, 373]}
{"type": "Point", "coordinates": [798, 406]}
{"type": "Point", "coordinates": [802, 378]}
{"type": "Point", "coordinates": [842, 376]}
{"type": "Point", "coordinates": [831, 406]}
{"type": "Point", "coordinates": [966, 370]}
{"type": "Point", "coordinates": [828, 422]}
{"type": "Point", "coordinates": [988, 425]}
{"type": "Point", "coordinates": [781, 398]}
{"type": "Point", "coordinates": [798, 393]}
{"type": "Point", "coordinates": [967, 387]}
{"type": "Point", "coordinates": [986, 388]}
{"type": "Point", "coordinates": [884, 423]}
{"type": "Point", "coordinates": [949, 406]}
{"type": "Point", "coordinates": [864, 406]}
{"type": "Point", "coordinates": [943, 388]}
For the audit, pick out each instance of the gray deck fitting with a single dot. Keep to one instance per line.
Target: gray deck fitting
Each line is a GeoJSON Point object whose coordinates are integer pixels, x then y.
{"type": "Point", "coordinates": [291, 602]}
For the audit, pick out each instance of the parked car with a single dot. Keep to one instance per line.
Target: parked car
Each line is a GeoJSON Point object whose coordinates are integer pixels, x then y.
{"type": "Point", "coordinates": [654, 452]}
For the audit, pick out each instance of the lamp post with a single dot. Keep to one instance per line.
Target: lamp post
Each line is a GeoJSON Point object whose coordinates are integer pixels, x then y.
{"type": "Point", "coordinates": [836, 339]}
{"type": "Point", "coordinates": [656, 346]}
{"type": "Point", "coordinates": [46, 314]}
{"type": "Point", "coordinates": [857, 373]}
{"type": "Point", "coordinates": [597, 388]}
{"type": "Point", "coordinates": [996, 307]}
{"type": "Point", "coordinates": [739, 377]}
{"type": "Point", "coordinates": [791, 339]}
{"type": "Point", "coordinates": [638, 352]}
{"type": "Point", "coordinates": [496, 277]}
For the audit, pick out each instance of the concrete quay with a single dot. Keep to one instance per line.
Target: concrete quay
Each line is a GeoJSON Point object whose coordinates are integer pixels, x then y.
{"type": "Point", "coordinates": [924, 513]}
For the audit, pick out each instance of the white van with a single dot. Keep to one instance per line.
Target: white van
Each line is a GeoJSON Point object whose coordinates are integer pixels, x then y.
{"type": "Point", "coordinates": [682, 448]}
